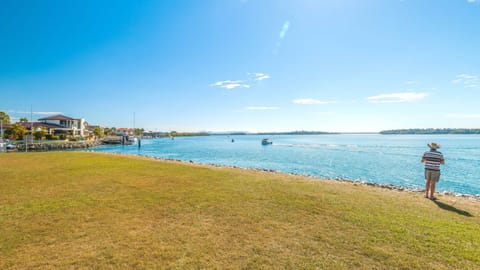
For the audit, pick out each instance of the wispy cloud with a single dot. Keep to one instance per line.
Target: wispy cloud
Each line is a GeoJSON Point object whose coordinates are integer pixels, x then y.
{"type": "Point", "coordinates": [468, 80]}
{"type": "Point", "coordinates": [285, 27]}
{"type": "Point", "coordinates": [259, 76]}
{"type": "Point", "coordinates": [260, 108]}
{"type": "Point", "coordinates": [47, 113]}
{"type": "Point", "coordinates": [310, 101]}
{"type": "Point", "coordinates": [473, 1]}
{"type": "Point", "coordinates": [252, 78]}
{"type": "Point", "coordinates": [281, 36]}
{"type": "Point", "coordinates": [397, 97]}
{"type": "Point", "coordinates": [463, 116]}
{"type": "Point", "coordinates": [34, 113]}
{"type": "Point", "coordinates": [229, 84]}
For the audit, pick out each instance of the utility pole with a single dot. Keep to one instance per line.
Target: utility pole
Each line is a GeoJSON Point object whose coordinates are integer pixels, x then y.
{"type": "Point", "coordinates": [1, 134]}
{"type": "Point", "coordinates": [26, 137]}
{"type": "Point", "coordinates": [1, 129]}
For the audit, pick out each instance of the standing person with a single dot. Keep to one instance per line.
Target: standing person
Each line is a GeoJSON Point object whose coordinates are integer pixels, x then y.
{"type": "Point", "coordinates": [432, 158]}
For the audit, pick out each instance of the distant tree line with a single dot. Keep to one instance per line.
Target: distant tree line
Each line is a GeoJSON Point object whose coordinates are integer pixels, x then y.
{"type": "Point", "coordinates": [300, 132]}
{"type": "Point", "coordinates": [431, 131]}
{"type": "Point", "coordinates": [175, 134]}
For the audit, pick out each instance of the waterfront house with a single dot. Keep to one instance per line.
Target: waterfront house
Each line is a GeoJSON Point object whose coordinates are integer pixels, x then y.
{"type": "Point", "coordinates": [125, 131]}
{"type": "Point", "coordinates": [61, 124]}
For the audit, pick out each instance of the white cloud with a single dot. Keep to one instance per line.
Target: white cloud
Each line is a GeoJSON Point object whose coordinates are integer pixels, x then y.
{"type": "Point", "coordinates": [473, 1]}
{"type": "Point", "coordinates": [47, 113]}
{"type": "Point", "coordinates": [310, 101]}
{"type": "Point", "coordinates": [285, 27]}
{"type": "Point", "coordinates": [260, 108]}
{"type": "Point", "coordinates": [229, 84]}
{"type": "Point", "coordinates": [248, 83]}
{"type": "Point", "coordinates": [397, 97]}
{"type": "Point", "coordinates": [260, 76]}
{"type": "Point", "coordinates": [281, 36]}
{"type": "Point", "coordinates": [35, 113]}
{"type": "Point", "coordinates": [468, 80]}
{"type": "Point", "coordinates": [463, 116]}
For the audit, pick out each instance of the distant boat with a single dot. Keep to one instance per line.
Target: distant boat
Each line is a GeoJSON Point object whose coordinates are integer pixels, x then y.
{"type": "Point", "coordinates": [112, 140]}
{"type": "Point", "coordinates": [266, 142]}
{"type": "Point", "coordinates": [129, 140]}
{"type": "Point", "coordinates": [125, 140]}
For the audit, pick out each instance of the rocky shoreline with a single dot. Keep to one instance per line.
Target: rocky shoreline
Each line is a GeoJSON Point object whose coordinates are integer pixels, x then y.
{"type": "Point", "coordinates": [44, 147]}
{"type": "Point", "coordinates": [474, 197]}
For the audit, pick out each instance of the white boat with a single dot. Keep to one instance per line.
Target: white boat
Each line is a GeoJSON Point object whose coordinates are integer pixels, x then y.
{"type": "Point", "coordinates": [265, 141]}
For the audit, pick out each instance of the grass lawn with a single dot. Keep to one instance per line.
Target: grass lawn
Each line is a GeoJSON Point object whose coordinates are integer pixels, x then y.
{"type": "Point", "coordinates": [100, 211]}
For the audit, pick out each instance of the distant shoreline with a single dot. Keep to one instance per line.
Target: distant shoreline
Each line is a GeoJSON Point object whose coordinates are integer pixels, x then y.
{"type": "Point", "coordinates": [432, 131]}
{"type": "Point", "coordinates": [275, 133]}
{"type": "Point", "coordinates": [428, 131]}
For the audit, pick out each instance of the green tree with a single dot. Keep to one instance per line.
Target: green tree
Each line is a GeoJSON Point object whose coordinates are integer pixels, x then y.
{"type": "Point", "coordinates": [23, 120]}
{"type": "Point", "coordinates": [5, 118]}
{"type": "Point", "coordinates": [139, 131]}
{"type": "Point", "coordinates": [98, 132]}
{"type": "Point", "coordinates": [15, 132]}
{"type": "Point", "coordinates": [110, 131]}
{"type": "Point", "coordinates": [39, 134]}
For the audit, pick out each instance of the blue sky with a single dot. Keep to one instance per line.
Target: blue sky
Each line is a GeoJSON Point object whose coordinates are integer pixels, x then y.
{"type": "Point", "coordinates": [244, 65]}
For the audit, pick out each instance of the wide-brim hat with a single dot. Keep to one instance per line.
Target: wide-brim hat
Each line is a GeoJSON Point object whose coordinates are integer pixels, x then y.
{"type": "Point", "coordinates": [433, 145]}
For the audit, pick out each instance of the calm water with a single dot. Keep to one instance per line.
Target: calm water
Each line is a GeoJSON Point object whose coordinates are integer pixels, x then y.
{"type": "Point", "coordinates": [388, 159]}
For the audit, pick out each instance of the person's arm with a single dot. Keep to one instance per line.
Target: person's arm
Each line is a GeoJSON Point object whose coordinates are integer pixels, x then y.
{"type": "Point", "coordinates": [423, 158]}
{"type": "Point", "coordinates": [442, 161]}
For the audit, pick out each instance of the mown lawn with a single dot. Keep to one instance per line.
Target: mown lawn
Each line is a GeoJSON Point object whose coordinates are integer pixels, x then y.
{"type": "Point", "coordinates": [99, 211]}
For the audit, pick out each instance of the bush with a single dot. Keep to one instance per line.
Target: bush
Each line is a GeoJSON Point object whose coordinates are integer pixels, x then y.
{"type": "Point", "coordinates": [39, 134]}
{"type": "Point", "coordinates": [62, 136]}
{"type": "Point", "coordinates": [51, 137]}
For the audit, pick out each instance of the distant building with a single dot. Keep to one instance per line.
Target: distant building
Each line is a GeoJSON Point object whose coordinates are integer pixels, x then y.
{"type": "Point", "coordinates": [61, 124]}
{"type": "Point", "coordinates": [125, 131]}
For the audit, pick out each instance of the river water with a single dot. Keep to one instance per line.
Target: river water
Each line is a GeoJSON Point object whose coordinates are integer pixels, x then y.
{"type": "Point", "coordinates": [383, 159]}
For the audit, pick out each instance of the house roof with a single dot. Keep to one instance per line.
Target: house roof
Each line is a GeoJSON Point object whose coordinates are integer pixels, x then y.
{"type": "Point", "coordinates": [27, 125]}
{"type": "Point", "coordinates": [57, 117]}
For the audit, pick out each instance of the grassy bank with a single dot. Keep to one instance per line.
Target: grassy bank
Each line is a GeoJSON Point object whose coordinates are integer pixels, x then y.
{"type": "Point", "coordinates": [87, 210]}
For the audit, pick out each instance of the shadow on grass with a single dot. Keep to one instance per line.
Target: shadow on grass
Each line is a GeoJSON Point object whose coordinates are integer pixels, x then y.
{"type": "Point", "coordinates": [448, 207]}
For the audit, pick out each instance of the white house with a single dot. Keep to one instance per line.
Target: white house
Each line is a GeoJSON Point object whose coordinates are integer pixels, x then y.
{"type": "Point", "coordinates": [65, 124]}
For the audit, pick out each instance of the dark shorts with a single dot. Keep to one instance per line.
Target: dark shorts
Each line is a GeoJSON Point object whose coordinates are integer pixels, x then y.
{"type": "Point", "coordinates": [432, 175]}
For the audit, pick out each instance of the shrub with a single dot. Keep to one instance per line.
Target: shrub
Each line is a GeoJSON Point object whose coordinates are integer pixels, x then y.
{"type": "Point", "coordinates": [51, 137]}
{"type": "Point", "coordinates": [38, 135]}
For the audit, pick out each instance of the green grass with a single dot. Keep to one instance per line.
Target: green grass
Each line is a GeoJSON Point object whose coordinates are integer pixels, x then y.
{"type": "Point", "coordinates": [98, 211]}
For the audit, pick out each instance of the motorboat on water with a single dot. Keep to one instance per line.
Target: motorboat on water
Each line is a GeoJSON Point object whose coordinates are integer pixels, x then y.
{"type": "Point", "coordinates": [265, 141]}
